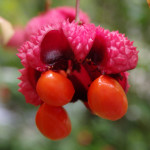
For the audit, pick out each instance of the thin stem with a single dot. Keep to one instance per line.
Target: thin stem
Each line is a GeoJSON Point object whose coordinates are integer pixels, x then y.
{"type": "Point", "coordinates": [77, 10]}
{"type": "Point", "coordinates": [148, 1]}
{"type": "Point", "coordinates": [47, 4]}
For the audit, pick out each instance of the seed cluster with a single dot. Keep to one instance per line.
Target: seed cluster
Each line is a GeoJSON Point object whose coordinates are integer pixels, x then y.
{"type": "Point", "coordinates": [66, 61]}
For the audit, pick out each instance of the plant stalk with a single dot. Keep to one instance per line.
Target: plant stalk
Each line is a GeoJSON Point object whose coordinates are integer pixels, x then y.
{"type": "Point", "coordinates": [77, 10]}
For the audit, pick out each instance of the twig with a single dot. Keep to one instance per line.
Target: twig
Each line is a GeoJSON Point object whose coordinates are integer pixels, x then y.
{"type": "Point", "coordinates": [77, 10]}
{"type": "Point", "coordinates": [47, 4]}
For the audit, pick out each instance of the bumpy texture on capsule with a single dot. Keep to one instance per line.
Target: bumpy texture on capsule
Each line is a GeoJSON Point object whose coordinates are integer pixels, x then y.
{"type": "Point", "coordinates": [120, 54]}
{"type": "Point", "coordinates": [50, 17]}
{"type": "Point", "coordinates": [85, 50]}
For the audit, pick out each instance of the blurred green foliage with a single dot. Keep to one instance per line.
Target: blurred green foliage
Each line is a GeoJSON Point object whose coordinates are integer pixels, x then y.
{"type": "Point", "coordinates": [17, 129]}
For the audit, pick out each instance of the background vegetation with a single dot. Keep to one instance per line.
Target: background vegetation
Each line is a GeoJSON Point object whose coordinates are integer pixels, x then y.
{"type": "Point", "coordinates": [17, 127]}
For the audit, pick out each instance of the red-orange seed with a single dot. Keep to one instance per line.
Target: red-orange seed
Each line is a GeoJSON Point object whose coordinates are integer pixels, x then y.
{"type": "Point", "coordinates": [107, 99]}
{"type": "Point", "coordinates": [54, 88]}
{"type": "Point", "coordinates": [53, 122]}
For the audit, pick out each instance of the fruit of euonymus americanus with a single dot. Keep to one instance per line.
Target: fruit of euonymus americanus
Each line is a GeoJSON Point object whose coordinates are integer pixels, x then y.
{"type": "Point", "coordinates": [108, 53]}
{"type": "Point", "coordinates": [53, 122]}
{"type": "Point", "coordinates": [85, 52]}
{"type": "Point", "coordinates": [54, 88]}
{"type": "Point", "coordinates": [107, 99]}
